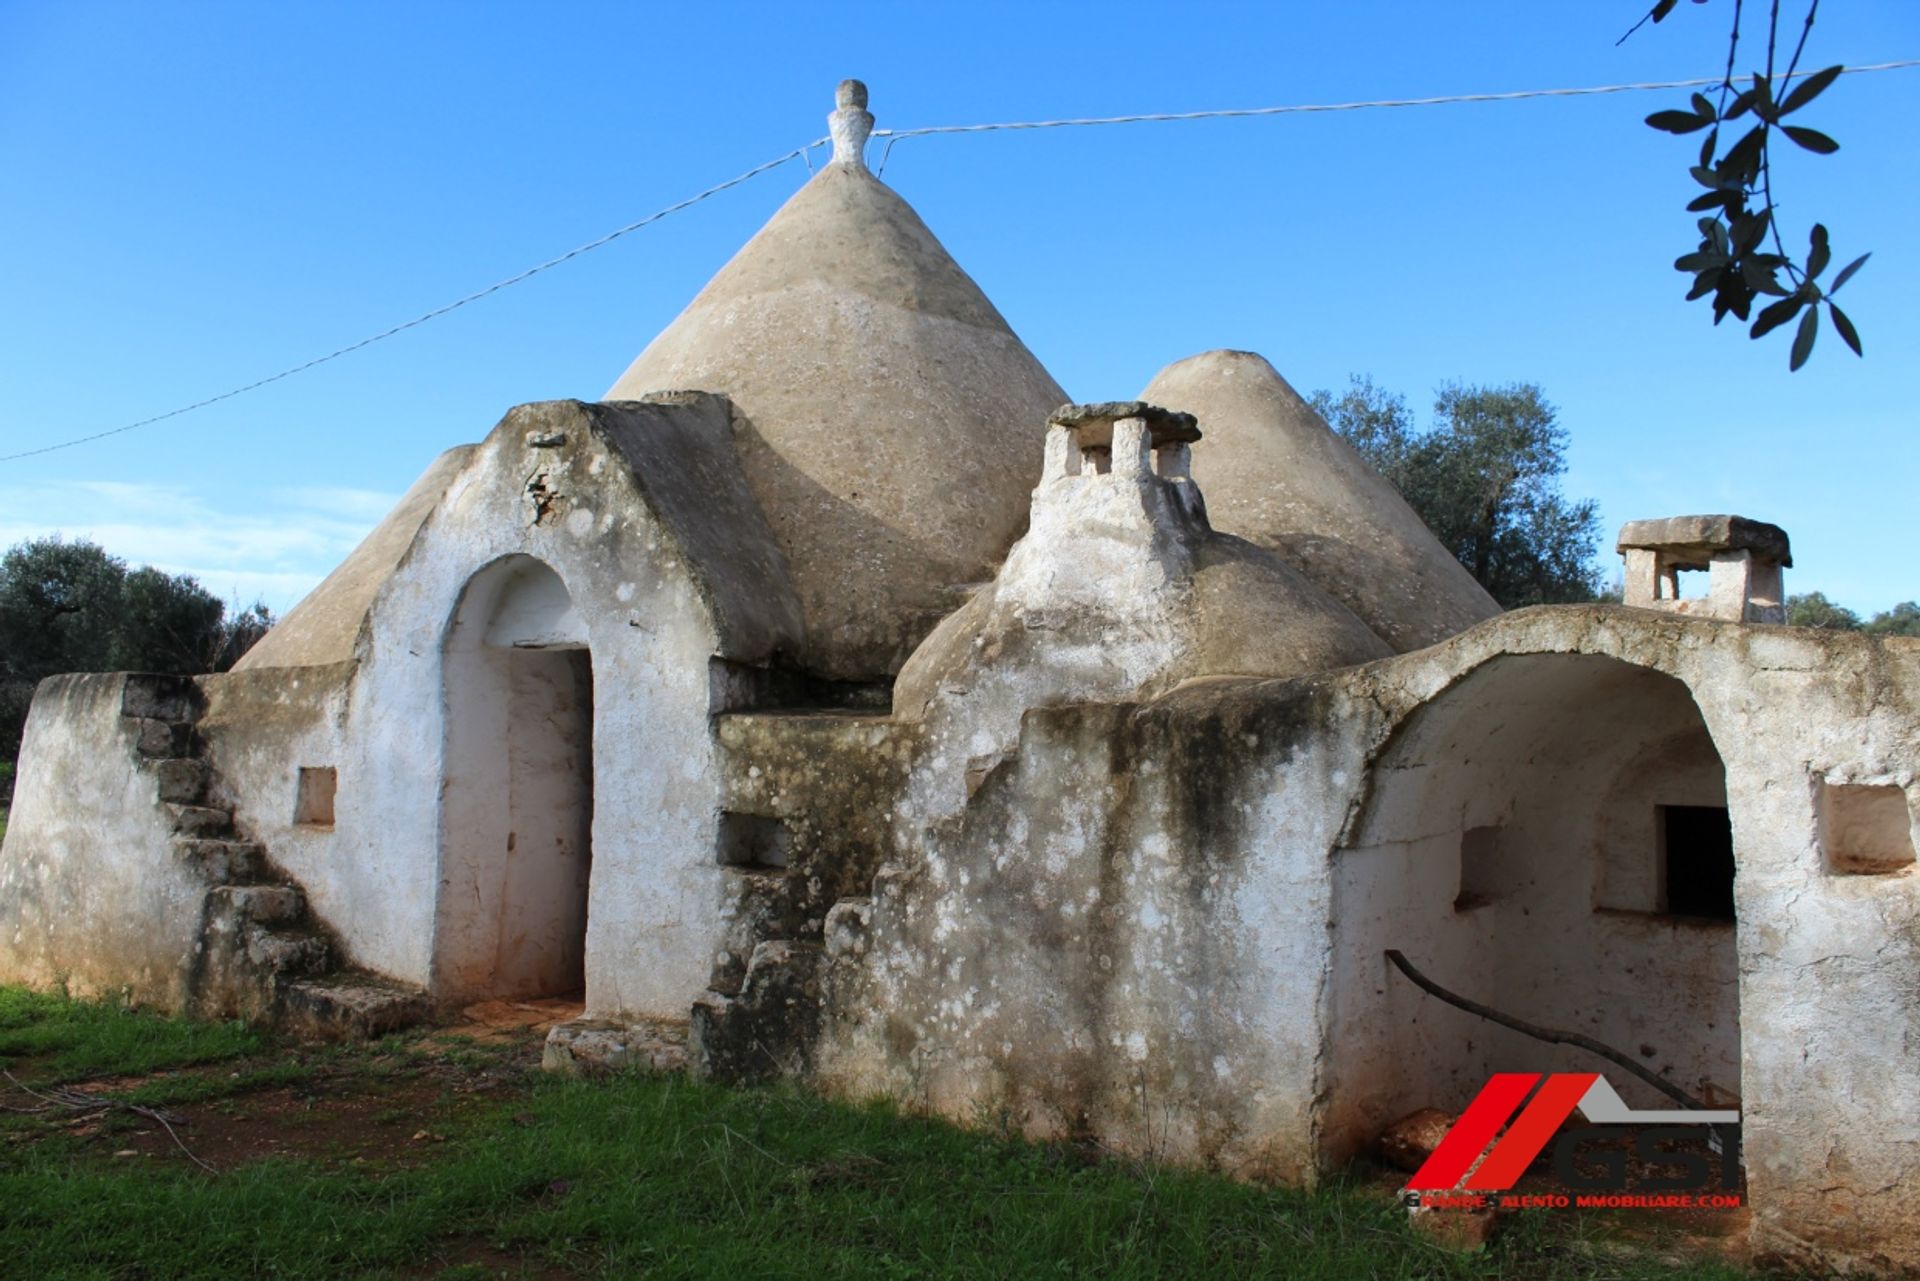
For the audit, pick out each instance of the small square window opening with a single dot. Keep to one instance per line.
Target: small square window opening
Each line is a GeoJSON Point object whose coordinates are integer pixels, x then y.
{"type": "Point", "coordinates": [313, 797]}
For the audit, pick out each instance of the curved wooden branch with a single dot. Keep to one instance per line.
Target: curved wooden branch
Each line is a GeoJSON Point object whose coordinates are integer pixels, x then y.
{"type": "Point", "coordinates": [1550, 1035]}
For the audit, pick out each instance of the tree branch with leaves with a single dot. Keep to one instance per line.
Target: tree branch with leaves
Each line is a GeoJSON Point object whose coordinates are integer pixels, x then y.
{"type": "Point", "coordinates": [1742, 255]}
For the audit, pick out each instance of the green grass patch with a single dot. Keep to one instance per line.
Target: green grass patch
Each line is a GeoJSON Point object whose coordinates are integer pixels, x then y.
{"type": "Point", "coordinates": [71, 1040]}
{"type": "Point", "coordinates": [662, 1176]}
{"type": "Point", "coordinates": [179, 1090]}
{"type": "Point", "coordinates": [649, 1176]}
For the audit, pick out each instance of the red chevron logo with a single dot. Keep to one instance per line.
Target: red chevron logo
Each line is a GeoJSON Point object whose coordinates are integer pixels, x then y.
{"type": "Point", "coordinates": [1554, 1097]}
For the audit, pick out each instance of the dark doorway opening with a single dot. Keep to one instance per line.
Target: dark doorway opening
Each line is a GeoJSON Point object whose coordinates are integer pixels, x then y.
{"type": "Point", "coordinates": [1696, 843]}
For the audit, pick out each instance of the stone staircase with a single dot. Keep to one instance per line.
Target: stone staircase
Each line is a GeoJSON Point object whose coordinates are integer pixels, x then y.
{"type": "Point", "coordinates": [760, 1016]}
{"type": "Point", "coordinates": [262, 956]}
{"type": "Point", "coordinates": [763, 1020]}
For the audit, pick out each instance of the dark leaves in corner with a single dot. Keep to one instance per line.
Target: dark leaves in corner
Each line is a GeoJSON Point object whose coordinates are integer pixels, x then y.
{"type": "Point", "coordinates": [1740, 260]}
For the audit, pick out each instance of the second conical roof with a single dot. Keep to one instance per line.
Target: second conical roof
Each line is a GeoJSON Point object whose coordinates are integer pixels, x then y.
{"type": "Point", "coordinates": [1275, 474]}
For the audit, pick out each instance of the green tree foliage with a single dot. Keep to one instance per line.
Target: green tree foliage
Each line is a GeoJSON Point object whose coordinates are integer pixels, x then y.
{"type": "Point", "coordinates": [1902, 620]}
{"type": "Point", "coordinates": [1485, 477]}
{"type": "Point", "coordinates": [1813, 609]}
{"type": "Point", "coordinates": [70, 607]}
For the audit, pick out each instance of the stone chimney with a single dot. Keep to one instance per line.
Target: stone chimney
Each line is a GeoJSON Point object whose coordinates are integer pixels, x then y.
{"type": "Point", "coordinates": [1129, 440]}
{"type": "Point", "coordinates": [1116, 515]}
{"type": "Point", "coordinates": [1743, 559]}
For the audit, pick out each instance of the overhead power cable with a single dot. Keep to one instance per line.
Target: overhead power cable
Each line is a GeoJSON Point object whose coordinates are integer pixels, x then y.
{"type": "Point", "coordinates": [1230, 113]}
{"type": "Point", "coordinates": [435, 314]}
{"type": "Point", "coordinates": [892, 136]}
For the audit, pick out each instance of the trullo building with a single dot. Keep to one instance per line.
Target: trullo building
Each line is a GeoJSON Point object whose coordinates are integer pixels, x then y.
{"type": "Point", "coordinates": [834, 699]}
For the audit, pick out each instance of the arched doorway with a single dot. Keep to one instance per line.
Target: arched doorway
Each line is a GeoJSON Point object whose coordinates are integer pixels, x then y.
{"type": "Point", "coordinates": [1548, 836]}
{"type": "Point", "coordinates": [517, 802]}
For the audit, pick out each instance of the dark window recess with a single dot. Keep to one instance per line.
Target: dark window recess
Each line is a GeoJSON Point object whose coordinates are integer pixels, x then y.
{"type": "Point", "coordinates": [1697, 842]}
{"type": "Point", "coordinates": [753, 841]}
{"type": "Point", "coordinates": [1481, 876]}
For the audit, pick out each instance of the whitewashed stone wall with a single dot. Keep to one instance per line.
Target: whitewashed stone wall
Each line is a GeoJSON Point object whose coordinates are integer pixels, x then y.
{"type": "Point", "coordinates": [656, 906]}
{"type": "Point", "coordinates": [92, 895]}
{"type": "Point", "coordinates": [1162, 924]}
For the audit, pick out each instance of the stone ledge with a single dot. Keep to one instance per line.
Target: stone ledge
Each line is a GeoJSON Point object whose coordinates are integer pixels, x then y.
{"type": "Point", "coordinates": [1699, 537]}
{"type": "Point", "coordinates": [591, 1047]}
{"type": "Point", "coordinates": [1093, 423]}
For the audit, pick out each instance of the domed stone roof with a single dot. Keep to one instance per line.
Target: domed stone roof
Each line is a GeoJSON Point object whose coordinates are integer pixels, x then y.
{"type": "Point", "coordinates": [1275, 474]}
{"type": "Point", "coordinates": [887, 416]}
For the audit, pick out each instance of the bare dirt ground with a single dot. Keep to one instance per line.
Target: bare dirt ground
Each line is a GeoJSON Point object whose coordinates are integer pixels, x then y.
{"type": "Point", "coordinates": [384, 1106]}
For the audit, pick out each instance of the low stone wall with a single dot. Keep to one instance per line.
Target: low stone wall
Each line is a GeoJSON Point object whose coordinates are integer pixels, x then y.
{"type": "Point", "coordinates": [92, 894]}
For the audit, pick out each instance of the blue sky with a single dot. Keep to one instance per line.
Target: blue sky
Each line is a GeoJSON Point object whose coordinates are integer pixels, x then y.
{"type": "Point", "coordinates": [199, 194]}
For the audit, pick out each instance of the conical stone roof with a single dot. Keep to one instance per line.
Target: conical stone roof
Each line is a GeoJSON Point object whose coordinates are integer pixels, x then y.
{"type": "Point", "coordinates": [888, 420]}
{"type": "Point", "coordinates": [1275, 474]}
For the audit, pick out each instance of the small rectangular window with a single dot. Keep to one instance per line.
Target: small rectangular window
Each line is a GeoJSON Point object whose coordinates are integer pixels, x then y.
{"type": "Point", "coordinates": [1696, 855]}
{"type": "Point", "coordinates": [753, 841]}
{"type": "Point", "coordinates": [313, 798]}
{"type": "Point", "coordinates": [1865, 828]}
{"type": "Point", "coordinates": [1480, 873]}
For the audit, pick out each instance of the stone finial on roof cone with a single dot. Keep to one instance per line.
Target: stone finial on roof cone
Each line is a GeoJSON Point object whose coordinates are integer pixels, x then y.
{"type": "Point", "coordinates": [850, 124]}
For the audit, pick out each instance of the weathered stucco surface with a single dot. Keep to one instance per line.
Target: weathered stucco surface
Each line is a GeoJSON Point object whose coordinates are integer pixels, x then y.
{"type": "Point", "coordinates": [92, 896]}
{"type": "Point", "coordinates": [1162, 924]}
{"type": "Point", "coordinates": [1098, 945]}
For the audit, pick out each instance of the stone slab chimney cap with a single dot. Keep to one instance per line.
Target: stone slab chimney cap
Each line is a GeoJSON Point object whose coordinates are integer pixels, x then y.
{"type": "Point", "coordinates": [1093, 424]}
{"type": "Point", "coordinates": [1691, 541]}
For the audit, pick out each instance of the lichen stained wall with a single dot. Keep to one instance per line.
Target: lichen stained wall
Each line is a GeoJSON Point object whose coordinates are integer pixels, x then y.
{"type": "Point", "coordinates": [1152, 924]}
{"type": "Point", "coordinates": [1120, 937]}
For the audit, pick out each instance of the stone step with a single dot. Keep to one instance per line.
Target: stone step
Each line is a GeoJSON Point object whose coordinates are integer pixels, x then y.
{"type": "Point", "coordinates": [583, 1047]}
{"type": "Point", "coordinates": [350, 1005]}
{"type": "Point", "coordinates": [221, 862]}
{"type": "Point", "coordinates": [779, 961]}
{"type": "Point", "coordinates": [201, 820]}
{"type": "Point", "coordinates": [262, 904]}
{"type": "Point", "coordinates": [151, 696]}
{"type": "Point", "coordinates": [770, 1027]}
{"type": "Point", "coordinates": [752, 878]}
{"type": "Point", "coordinates": [181, 780]}
{"type": "Point", "coordinates": [288, 954]}
{"type": "Point", "coordinates": [161, 739]}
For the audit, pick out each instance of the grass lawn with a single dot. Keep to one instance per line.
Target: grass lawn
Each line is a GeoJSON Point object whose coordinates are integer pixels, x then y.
{"type": "Point", "coordinates": [435, 1156]}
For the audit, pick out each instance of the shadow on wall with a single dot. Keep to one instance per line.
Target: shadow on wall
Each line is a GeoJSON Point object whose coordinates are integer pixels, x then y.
{"type": "Point", "coordinates": [1548, 836]}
